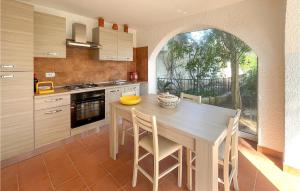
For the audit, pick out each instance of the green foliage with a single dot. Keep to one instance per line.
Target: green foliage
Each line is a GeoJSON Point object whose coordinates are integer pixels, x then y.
{"type": "Point", "coordinates": [203, 58]}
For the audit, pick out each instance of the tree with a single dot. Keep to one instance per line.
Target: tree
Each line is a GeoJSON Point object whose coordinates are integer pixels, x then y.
{"type": "Point", "coordinates": [232, 49]}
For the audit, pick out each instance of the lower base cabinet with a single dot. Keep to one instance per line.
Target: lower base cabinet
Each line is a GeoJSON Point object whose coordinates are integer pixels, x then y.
{"type": "Point", "coordinates": [52, 125]}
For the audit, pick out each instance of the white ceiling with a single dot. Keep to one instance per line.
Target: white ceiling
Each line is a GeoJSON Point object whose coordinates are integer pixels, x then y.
{"type": "Point", "coordinates": [137, 13]}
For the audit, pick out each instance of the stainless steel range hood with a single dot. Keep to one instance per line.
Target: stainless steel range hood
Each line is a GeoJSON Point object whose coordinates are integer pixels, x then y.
{"type": "Point", "coordinates": [79, 37]}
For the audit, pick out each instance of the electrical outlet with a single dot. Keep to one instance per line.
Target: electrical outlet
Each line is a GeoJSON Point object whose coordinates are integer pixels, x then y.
{"type": "Point", "coordinates": [50, 74]}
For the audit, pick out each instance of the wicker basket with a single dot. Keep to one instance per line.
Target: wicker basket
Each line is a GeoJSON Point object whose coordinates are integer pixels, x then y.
{"type": "Point", "coordinates": [167, 100]}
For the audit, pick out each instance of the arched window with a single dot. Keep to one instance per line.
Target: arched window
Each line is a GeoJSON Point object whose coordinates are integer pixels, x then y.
{"type": "Point", "coordinates": [214, 64]}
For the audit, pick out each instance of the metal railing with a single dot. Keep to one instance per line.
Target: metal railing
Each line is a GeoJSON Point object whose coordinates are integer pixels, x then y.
{"type": "Point", "coordinates": [203, 87]}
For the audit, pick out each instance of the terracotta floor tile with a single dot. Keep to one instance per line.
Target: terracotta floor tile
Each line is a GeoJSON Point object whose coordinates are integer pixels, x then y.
{"type": "Point", "coordinates": [91, 172]}
{"type": "Point", "coordinates": [59, 166]}
{"type": "Point", "coordinates": [111, 165]}
{"type": "Point", "coordinates": [262, 183]}
{"type": "Point", "coordinates": [33, 175]}
{"type": "Point", "coordinates": [9, 178]}
{"type": "Point", "coordinates": [122, 175]}
{"type": "Point", "coordinates": [105, 184]}
{"type": "Point", "coordinates": [143, 184]}
{"type": "Point", "coordinates": [84, 161]}
{"type": "Point", "coordinates": [170, 183]}
{"type": "Point", "coordinates": [75, 184]}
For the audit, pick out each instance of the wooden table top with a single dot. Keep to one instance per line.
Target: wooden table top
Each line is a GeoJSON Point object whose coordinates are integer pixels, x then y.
{"type": "Point", "coordinates": [206, 122]}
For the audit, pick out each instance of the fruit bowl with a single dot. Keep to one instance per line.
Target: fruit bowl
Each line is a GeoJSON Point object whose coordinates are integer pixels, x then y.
{"type": "Point", "coordinates": [167, 100]}
{"type": "Point", "coordinates": [130, 100]}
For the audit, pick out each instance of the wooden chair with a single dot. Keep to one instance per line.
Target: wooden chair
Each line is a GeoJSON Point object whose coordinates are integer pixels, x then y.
{"type": "Point", "coordinates": [190, 155]}
{"type": "Point", "coordinates": [129, 130]}
{"type": "Point", "coordinates": [228, 155]}
{"type": "Point", "coordinates": [156, 145]}
{"type": "Point", "coordinates": [194, 98]}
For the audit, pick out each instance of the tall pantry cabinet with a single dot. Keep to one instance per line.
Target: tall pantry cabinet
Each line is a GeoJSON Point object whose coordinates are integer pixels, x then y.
{"type": "Point", "coordinates": [16, 114]}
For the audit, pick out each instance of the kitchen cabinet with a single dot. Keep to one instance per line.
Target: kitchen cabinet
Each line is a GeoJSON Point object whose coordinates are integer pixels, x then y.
{"type": "Point", "coordinates": [17, 113]}
{"type": "Point", "coordinates": [49, 36]}
{"type": "Point", "coordinates": [125, 46]}
{"type": "Point", "coordinates": [16, 36]}
{"type": "Point", "coordinates": [16, 88]}
{"type": "Point", "coordinates": [116, 45]}
{"type": "Point", "coordinates": [52, 119]}
{"type": "Point", "coordinates": [132, 89]}
{"type": "Point", "coordinates": [51, 125]}
{"type": "Point", "coordinates": [113, 94]}
{"type": "Point", "coordinates": [108, 39]}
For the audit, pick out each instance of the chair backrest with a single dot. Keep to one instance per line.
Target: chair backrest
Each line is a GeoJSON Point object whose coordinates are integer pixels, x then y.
{"type": "Point", "coordinates": [194, 98]}
{"type": "Point", "coordinates": [231, 142]}
{"type": "Point", "coordinates": [131, 93]}
{"type": "Point", "coordinates": [147, 123]}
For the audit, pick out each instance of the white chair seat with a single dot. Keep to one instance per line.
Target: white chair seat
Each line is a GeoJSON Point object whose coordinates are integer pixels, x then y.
{"type": "Point", "coordinates": [166, 146]}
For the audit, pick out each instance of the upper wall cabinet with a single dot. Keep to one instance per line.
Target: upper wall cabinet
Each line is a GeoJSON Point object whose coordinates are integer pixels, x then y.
{"type": "Point", "coordinates": [125, 46]}
{"type": "Point", "coordinates": [109, 41]}
{"type": "Point", "coordinates": [116, 45]}
{"type": "Point", "coordinates": [49, 36]}
{"type": "Point", "coordinates": [17, 36]}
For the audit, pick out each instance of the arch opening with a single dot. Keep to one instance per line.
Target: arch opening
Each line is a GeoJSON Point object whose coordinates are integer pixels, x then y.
{"type": "Point", "coordinates": [214, 64]}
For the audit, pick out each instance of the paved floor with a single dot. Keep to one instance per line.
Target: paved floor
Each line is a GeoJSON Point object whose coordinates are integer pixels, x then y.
{"type": "Point", "coordinates": [84, 164]}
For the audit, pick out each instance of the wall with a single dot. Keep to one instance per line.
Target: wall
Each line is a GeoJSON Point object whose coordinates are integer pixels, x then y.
{"type": "Point", "coordinates": [292, 85]}
{"type": "Point", "coordinates": [80, 67]}
{"type": "Point", "coordinates": [260, 23]}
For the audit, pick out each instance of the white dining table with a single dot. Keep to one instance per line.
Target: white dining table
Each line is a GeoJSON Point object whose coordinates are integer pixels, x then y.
{"type": "Point", "coordinates": [200, 127]}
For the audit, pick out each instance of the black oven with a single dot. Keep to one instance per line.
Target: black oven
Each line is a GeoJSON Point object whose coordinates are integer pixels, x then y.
{"type": "Point", "coordinates": [87, 107]}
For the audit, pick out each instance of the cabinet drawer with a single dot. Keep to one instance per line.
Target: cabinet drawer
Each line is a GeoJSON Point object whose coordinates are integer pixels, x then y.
{"type": "Point", "coordinates": [52, 125]}
{"type": "Point", "coordinates": [51, 101]}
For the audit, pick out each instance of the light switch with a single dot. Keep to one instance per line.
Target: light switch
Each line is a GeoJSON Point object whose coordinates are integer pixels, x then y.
{"type": "Point", "coordinates": [50, 74]}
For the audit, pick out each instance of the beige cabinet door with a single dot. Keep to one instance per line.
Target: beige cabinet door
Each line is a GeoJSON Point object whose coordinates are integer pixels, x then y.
{"type": "Point", "coordinates": [49, 36]}
{"type": "Point", "coordinates": [52, 125]}
{"type": "Point", "coordinates": [16, 113]}
{"type": "Point", "coordinates": [108, 39]}
{"type": "Point", "coordinates": [125, 46]}
{"type": "Point", "coordinates": [16, 36]}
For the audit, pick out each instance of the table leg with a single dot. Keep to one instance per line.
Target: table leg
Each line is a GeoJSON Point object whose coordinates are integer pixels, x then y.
{"type": "Point", "coordinates": [113, 133]}
{"type": "Point", "coordinates": [206, 166]}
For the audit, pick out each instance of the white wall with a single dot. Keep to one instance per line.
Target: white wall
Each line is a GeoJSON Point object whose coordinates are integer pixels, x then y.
{"type": "Point", "coordinates": [74, 18]}
{"type": "Point", "coordinates": [292, 84]}
{"type": "Point", "coordinates": [260, 23]}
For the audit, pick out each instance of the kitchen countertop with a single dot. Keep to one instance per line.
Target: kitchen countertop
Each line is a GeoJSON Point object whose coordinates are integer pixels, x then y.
{"type": "Point", "coordinates": [63, 90]}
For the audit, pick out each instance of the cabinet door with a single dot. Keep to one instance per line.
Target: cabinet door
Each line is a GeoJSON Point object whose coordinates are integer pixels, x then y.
{"type": "Point", "coordinates": [109, 41]}
{"type": "Point", "coordinates": [111, 95]}
{"type": "Point", "coordinates": [16, 36]}
{"type": "Point", "coordinates": [125, 46]}
{"type": "Point", "coordinates": [49, 36]}
{"type": "Point", "coordinates": [132, 89]}
{"type": "Point", "coordinates": [16, 113]}
{"type": "Point", "coordinates": [52, 125]}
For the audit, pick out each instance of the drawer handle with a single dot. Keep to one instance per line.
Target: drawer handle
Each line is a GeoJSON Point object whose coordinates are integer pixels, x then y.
{"type": "Point", "coordinates": [7, 76]}
{"type": "Point", "coordinates": [7, 66]}
{"type": "Point", "coordinates": [53, 100]}
{"type": "Point", "coordinates": [51, 53]}
{"type": "Point", "coordinates": [54, 111]}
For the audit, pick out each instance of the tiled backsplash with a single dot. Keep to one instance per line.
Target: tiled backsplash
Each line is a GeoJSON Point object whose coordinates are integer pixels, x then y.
{"type": "Point", "coordinates": [79, 67]}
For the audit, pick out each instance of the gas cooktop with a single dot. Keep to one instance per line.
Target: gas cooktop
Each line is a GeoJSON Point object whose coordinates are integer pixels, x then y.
{"type": "Point", "coordinates": [80, 86]}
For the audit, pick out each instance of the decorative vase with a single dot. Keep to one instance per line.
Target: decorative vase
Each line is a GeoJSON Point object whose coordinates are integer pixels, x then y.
{"type": "Point", "coordinates": [101, 22]}
{"type": "Point", "coordinates": [126, 28]}
{"type": "Point", "coordinates": [115, 26]}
